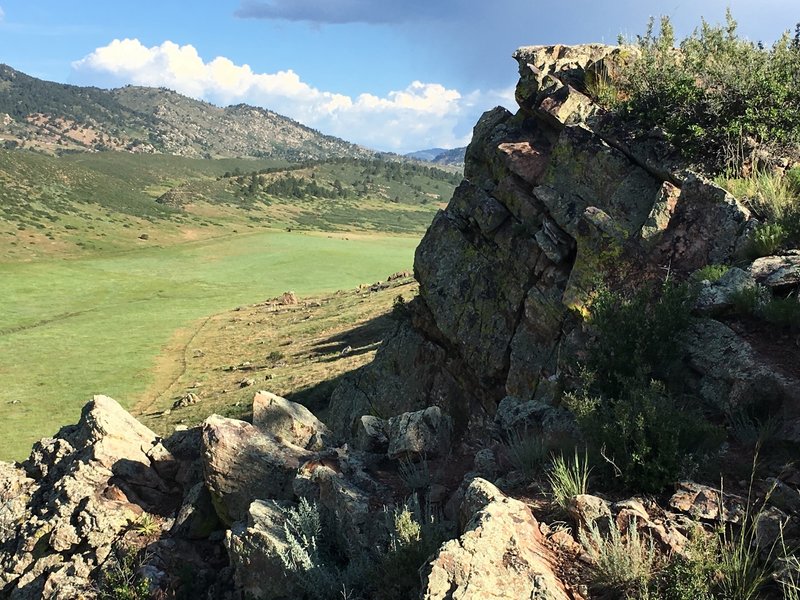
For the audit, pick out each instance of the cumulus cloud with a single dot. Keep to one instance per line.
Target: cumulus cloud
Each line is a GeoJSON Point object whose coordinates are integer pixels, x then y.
{"type": "Point", "coordinates": [418, 116]}
{"type": "Point", "coordinates": [347, 11]}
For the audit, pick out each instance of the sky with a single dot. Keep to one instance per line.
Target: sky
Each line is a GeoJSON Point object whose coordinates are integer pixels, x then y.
{"type": "Point", "coordinates": [395, 76]}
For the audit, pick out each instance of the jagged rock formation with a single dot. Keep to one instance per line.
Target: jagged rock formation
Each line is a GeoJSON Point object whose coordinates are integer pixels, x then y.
{"type": "Point", "coordinates": [553, 201]}
{"type": "Point", "coordinates": [76, 495]}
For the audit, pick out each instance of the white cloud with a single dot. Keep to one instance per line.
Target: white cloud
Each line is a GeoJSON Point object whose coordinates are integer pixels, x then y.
{"type": "Point", "coordinates": [2, 13]}
{"type": "Point", "coordinates": [419, 116]}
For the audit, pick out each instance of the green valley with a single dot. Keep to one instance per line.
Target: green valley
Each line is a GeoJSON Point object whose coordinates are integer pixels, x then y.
{"type": "Point", "coordinates": [105, 256]}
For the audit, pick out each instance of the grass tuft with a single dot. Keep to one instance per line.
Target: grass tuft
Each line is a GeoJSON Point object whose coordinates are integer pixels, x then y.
{"type": "Point", "coordinates": [569, 478]}
{"type": "Point", "coordinates": [621, 563]}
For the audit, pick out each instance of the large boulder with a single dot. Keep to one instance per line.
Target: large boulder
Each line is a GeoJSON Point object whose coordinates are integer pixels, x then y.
{"type": "Point", "coordinates": [254, 545]}
{"type": "Point", "coordinates": [729, 375]}
{"type": "Point", "coordinates": [288, 421]}
{"type": "Point", "coordinates": [781, 273]}
{"type": "Point", "coordinates": [82, 491]}
{"type": "Point", "coordinates": [241, 464]}
{"type": "Point", "coordinates": [419, 434]}
{"type": "Point", "coordinates": [501, 554]}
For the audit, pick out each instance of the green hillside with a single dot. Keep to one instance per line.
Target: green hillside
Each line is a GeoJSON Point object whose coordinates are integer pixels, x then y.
{"type": "Point", "coordinates": [57, 118]}
{"type": "Point", "coordinates": [110, 201]}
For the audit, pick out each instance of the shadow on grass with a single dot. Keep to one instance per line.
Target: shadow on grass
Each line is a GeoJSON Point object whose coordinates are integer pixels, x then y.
{"type": "Point", "coordinates": [360, 339]}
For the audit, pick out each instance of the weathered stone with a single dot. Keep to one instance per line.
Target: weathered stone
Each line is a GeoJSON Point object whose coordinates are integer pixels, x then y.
{"type": "Point", "coordinates": [242, 464]}
{"type": "Point", "coordinates": [728, 373]}
{"type": "Point", "coordinates": [371, 434]}
{"type": "Point", "coordinates": [485, 463]}
{"type": "Point", "coordinates": [89, 484]}
{"type": "Point", "coordinates": [421, 433]}
{"type": "Point", "coordinates": [288, 421]}
{"type": "Point", "coordinates": [197, 517]}
{"type": "Point", "coordinates": [777, 272]}
{"type": "Point", "coordinates": [552, 421]}
{"type": "Point", "coordinates": [785, 497]}
{"type": "Point", "coordinates": [189, 399]}
{"type": "Point", "coordinates": [662, 211]}
{"type": "Point", "coordinates": [719, 296]}
{"type": "Point", "coordinates": [703, 502]}
{"type": "Point", "coordinates": [253, 546]}
{"type": "Point", "coordinates": [590, 511]}
{"type": "Point", "coordinates": [356, 525]}
{"type": "Point", "coordinates": [387, 387]}
{"type": "Point", "coordinates": [501, 555]}
{"type": "Point", "coordinates": [708, 226]}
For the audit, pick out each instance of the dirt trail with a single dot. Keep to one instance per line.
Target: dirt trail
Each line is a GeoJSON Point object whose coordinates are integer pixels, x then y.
{"type": "Point", "coordinates": [170, 366]}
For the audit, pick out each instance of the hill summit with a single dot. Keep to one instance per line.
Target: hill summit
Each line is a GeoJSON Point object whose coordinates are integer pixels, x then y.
{"type": "Point", "coordinates": [57, 118]}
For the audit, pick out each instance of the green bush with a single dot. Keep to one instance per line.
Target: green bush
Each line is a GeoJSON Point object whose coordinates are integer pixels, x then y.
{"type": "Point", "coordinates": [718, 97]}
{"type": "Point", "coordinates": [637, 337]}
{"type": "Point", "coordinates": [766, 240]}
{"type": "Point", "coordinates": [648, 437]}
{"type": "Point", "coordinates": [119, 579]}
{"type": "Point", "coordinates": [625, 413]}
{"type": "Point", "coordinates": [690, 576]}
{"type": "Point", "coordinates": [710, 273]}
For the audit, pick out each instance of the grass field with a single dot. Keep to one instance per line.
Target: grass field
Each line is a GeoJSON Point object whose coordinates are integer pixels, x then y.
{"type": "Point", "coordinates": [73, 328]}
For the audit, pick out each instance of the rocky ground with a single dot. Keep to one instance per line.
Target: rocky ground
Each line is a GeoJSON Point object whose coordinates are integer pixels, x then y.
{"type": "Point", "coordinates": [410, 487]}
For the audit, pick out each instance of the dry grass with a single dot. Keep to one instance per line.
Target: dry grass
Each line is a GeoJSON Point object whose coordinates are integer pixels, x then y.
{"type": "Point", "coordinates": [294, 351]}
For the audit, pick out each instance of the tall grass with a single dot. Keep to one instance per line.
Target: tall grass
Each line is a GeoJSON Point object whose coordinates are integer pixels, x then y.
{"type": "Point", "coordinates": [569, 477]}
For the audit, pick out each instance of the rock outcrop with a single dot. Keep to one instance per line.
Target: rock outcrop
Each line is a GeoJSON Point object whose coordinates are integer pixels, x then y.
{"type": "Point", "coordinates": [501, 554]}
{"type": "Point", "coordinates": [553, 203]}
{"type": "Point", "coordinates": [76, 496]}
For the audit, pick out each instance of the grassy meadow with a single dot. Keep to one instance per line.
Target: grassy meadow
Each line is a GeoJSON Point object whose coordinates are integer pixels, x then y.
{"type": "Point", "coordinates": [76, 327]}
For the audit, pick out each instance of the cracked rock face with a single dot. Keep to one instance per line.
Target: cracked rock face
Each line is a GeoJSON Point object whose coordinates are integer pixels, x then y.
{"type": "Point", "coordinates": [501, 554]}
{"type": "Point", "coordinates": [551, 204]}
{"type": "Point", "coordinates": [77, 494]}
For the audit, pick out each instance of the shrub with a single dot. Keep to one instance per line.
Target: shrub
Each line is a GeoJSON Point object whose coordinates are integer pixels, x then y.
{"type": "Point", "coordinates": [749, 301]}
{"type": "Point", "coordinates": [718, 97]}
{"type": "Point", "coordinates": [647, 436]}
{"type": "Point", "coordinates": [306, 555]}
{"type": "Point", "coordinates": [637, 337]}
{"type": "Point", "coordinates": [784, 312]}
{"type": "Point", "coordinates": [624, 412]}
{"type": "Point", "coordinates": [417, 533]}
{"type": "Point", "coordinates": [624, 564]}
{"type": "Point", "coordinates": [766, 240]}
{"type": "Point", "coordinates": [710, 273]}
{"type": "Point", "coordinates": [690, 576]}
{"type": "Point", "coordinates": [119, 579]}
{"type": "Point", "coordinates": [569, 478]}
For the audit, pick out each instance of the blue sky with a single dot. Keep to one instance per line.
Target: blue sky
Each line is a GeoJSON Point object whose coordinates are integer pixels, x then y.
{"type": "Point", "coordinates": [399, 76]}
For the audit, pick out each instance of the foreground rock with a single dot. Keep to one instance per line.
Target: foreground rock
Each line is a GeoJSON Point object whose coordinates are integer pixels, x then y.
{"type": "Point", "coordinates": [501, 554]}
{"type": "Point", "coordinates": [289, 421]}
{"type": "Point", "coordinates": [83, 489]}
{"type": "Point", "coordinates": [242, 464]}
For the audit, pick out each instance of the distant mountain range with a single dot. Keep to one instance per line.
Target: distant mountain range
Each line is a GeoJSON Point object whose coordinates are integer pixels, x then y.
{"type": "Point", "coordinates": [441, 156]}
{"type": "Point", "coordinates": [58, 118]}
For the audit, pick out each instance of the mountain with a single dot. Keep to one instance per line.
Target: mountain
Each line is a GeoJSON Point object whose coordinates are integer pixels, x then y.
{"type": "Point", "coordinates": [58, 118]}
{"type": "Point", "coordinates": [441, 156]}
{"type": "Point", "coordinates": [426, 155]}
